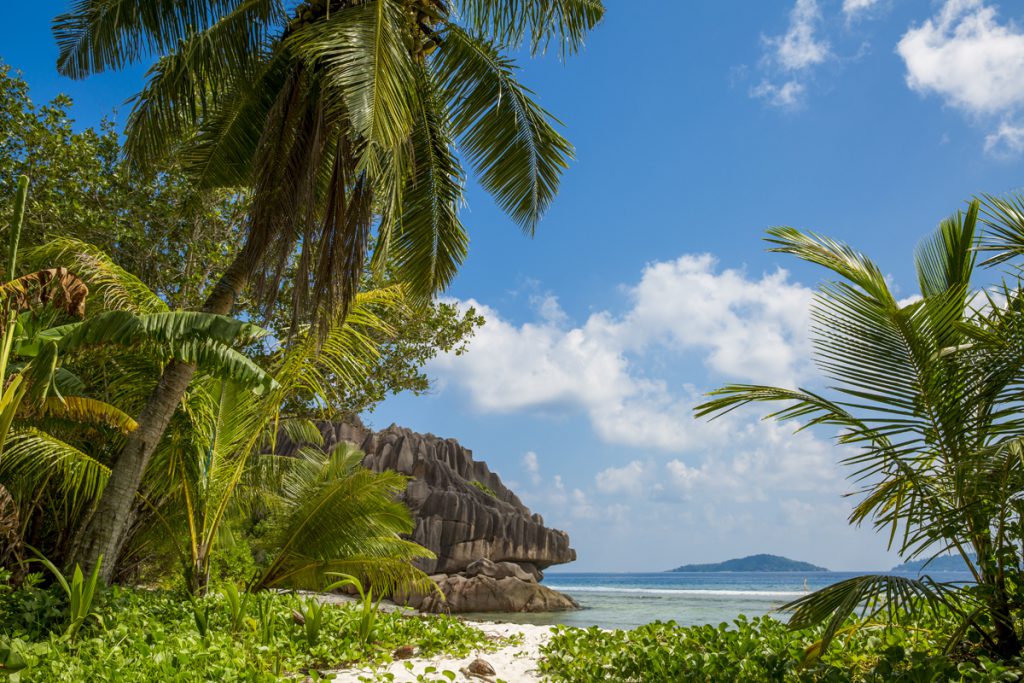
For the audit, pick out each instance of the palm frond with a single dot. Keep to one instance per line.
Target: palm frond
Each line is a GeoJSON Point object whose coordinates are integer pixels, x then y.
{"type": "Point", "coordinates": [427, 243]}
{"type": "Point", "coordinates": [188, 336]}
{"type": "Point", "coordinates": [869, 596]}
{"type": "Point", "coordinates": [1004, 218]}
{"type": "Point", "coordinates": [186, 86]}
{"type": "Point", "coordinates": [32, 458]}
{"type": "Point", "coordinates": [946, 259]}
{"type": "Point", "coordinates": [96, 35]}
{"type": "Point", "coordinates": [836, 256]}
{"type": "Point", "coordinates": [87, 410]}
{"type": "Point", "coordinates": [538, 22]}
{"type": "Point", "coordinates": [116, 287]}
{"type": "Point", "coordinates": [510, 139]}
{"type": "Point", "coordinates": [342, 515]}
{"type": "Point", "coordinates": [368, 73]}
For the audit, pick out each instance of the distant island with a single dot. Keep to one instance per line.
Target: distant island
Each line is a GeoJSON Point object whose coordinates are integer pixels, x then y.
{"type": "Point", "coordinates": [945, 563]}
{"type": "Point", "coordinates": [753, 563]}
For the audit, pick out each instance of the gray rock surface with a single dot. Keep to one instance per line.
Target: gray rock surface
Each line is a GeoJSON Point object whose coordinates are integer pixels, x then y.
{"type": "Point", "coordinates": [491, 549]}
{"type": "Point", "coordinates": [482, 593]}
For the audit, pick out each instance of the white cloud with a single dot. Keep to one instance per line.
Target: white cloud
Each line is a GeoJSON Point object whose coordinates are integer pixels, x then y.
{"type": "Point", "coordinates": [789, 95]}
{"type": "Point", "coordinates": [684, 478]}
{"type": "Point", "coordinates": [746, 329]}
{"type": "Point", "coordinates": [965, 55]}
{"type": "Point", "coordinates": [1007, 140]}
{"type": "Point", "coordinates": [790, 56]}
{"type": "Point", "coordinates": [855, 8]}
{"type": "Point", "coordinates": [628, 480]}
{"type": "Point", "coordinates": [532, 466]}
{"type": "Point", "coordinates": [799, 47]}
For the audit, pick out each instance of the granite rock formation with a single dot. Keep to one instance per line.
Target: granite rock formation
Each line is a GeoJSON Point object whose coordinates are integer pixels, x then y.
{"type": "Point", "coordinates": [491, 550]}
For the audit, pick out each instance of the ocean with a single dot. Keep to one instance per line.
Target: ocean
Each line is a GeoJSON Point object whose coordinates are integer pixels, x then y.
{"type": "Point", "coordinates": [628, 600]}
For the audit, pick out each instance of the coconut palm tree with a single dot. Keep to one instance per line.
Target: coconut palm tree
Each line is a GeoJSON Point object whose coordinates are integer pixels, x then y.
{"type": "Point", "coordinates": [927, 396]}
{"type": "Point", "coordinates": [224, 462]}
{"type": "Point", "coordinates": [340, 116]}
{"type": "Point", "coordinates": [46, 362]}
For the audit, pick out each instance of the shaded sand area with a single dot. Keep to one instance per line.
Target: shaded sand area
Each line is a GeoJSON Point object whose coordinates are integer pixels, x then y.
{"type": "Point", "coordinates": [516, 663]}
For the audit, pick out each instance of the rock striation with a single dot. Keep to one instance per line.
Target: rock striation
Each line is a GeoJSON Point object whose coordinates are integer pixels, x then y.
{"type": "Point", "coordinates": [491, 549]}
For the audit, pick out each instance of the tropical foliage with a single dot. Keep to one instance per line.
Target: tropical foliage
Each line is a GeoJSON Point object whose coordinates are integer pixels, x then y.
{"type": "Point", "coordinates": [143, 635]}
{"type": "Point", "coordinates": [926, 394]}
{"type": "Point", "coordinates": [339, 117]}
{"type": "Point", "coordinates": [764, 650]}
{"type": "Point", "coordinates": [46, 401]}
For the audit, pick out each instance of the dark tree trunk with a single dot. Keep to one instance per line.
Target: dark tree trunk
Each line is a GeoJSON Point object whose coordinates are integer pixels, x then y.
{"type": "Point", "coordinates": [1008, 643]}
{"type": "Point", "coordinates": [104, 533]}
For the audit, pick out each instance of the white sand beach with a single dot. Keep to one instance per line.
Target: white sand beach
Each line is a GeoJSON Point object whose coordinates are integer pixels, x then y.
{"type": "Point", "coordinates": [514, 664]}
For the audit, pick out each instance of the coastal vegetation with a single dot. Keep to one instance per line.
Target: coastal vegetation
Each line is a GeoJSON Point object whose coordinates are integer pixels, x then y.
{"type": "Point", "coordinates": [261, 251]}
{"type": "Point", "coordinates": [763, 649]}
{"type": "Point", "coordinates": [341, 120]}
{"type": "Point", "coordinates": [926, 396]}
{"type": "Point", "coordinates": [135, 634]}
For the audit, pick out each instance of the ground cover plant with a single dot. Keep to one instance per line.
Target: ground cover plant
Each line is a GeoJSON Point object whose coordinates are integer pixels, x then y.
{"type": "Point", "coordinates": [136, 634]}
{"type": "Point", "coordinates": [763, 649]}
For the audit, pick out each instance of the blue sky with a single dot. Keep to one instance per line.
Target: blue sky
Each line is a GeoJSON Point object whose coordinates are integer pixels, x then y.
{"type": "Point", "coordinates": [697, 125]}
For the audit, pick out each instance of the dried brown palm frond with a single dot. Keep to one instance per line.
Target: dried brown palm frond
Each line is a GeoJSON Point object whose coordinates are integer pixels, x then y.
{"type": "Point", "coordinates": [56, 287]}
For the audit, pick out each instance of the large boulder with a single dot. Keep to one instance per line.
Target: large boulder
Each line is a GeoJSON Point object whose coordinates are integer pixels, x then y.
{"type": "Point", "coordinates": [463, 511]}
{"type": "Point", "coordinates": [482, 593]}
{"type": "Point", "coordinates": [490, 548]}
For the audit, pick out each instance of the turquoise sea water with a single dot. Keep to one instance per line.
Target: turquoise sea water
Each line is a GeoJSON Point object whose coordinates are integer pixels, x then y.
{"type": "Point", "coordinates": [629, 600]}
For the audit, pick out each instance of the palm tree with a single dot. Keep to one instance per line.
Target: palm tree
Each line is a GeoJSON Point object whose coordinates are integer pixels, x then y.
{"type": "Point", "coordinates": [335, 516]}
{"type": "Point", "coordinates": [928, 394]}
{"type": "Point", "coordinates": [223, 461]}
{"type": "Point", "coordinates": [340, 117]}
{"type": "Point", "coordinates": [46, 398]}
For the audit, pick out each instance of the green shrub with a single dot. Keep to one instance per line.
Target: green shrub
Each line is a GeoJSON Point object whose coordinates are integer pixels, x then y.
{"type": "Point", "coordinates": [144, 635]}
{"type": "Point", "coordinates": [764, 650]}
{"type": "Point", "coordinates": [484, 487]}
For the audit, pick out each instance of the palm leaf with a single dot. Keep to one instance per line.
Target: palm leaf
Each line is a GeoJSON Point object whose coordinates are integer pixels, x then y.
{"type": "Point", "coordinates": [870, 595]}
{"type": "Point", "coordinates": [510, 22]}
{"type": "Point", "coordinates": [116, 287]}
{"type": "Point", "coordinates": [342, 515]}
{"type": "Point", "coordinates": [87, 410]}
{"type": "Point", "coordinates": [186, 86]}
{"type": "Point", "coordinates": [32, 457]}
{"type": "Point", "coordinates": [428, 242]}
{"type": "Point", "coordinates": [510, 140]}
{"type": "Point", "coordinates": [110, 34]}
{"type": "Point", "coordinates": [368, 74]}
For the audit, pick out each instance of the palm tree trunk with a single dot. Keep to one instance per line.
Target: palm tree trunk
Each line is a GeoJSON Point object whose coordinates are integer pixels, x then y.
{"type": "Point", "coordinates": [104, 533]}
{"type": "Point", "coordinates": [1007, 641]}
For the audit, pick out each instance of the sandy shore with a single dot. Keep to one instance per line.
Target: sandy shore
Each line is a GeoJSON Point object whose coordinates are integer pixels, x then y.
{"type": "Point", "coordinates": [514, 664]}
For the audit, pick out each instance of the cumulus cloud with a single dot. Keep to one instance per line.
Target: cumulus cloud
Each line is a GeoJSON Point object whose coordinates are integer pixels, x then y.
{"type": "Point", "coordinates": [789, 95]}
{"type": "Point", "coordinates": [746, 328]}
{"type": "Point", "coordinates": [791, 55]}
{"type": "Point", "coordinates": [974, 62]}
{"type": "Point", "coordinates": [800, 47]}
{"type": "Point", "coordinates": [1007, 140]}
{"type": "Point", "coordinates": [628, 479]}
{"type": "Point", "coordinates": [856, 8]}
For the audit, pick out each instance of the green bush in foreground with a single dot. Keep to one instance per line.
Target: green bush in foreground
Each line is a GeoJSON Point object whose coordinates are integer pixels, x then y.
{"type": "Point", "coordinates": [762, 650]}
{"type": "Point", "coordinates": [156, 636]}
